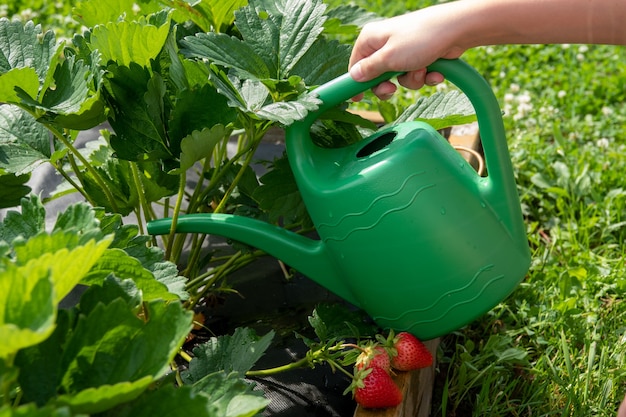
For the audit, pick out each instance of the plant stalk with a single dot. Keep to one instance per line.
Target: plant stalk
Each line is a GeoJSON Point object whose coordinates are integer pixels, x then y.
{"type": "Point", "coordinates": [283, 368]}
{"type": "Point", "coordinates": [141, 195]}
{"type": "Point", "coordinates": [105, 189]}
{"type": "Point", "coordinates": [175, 214]}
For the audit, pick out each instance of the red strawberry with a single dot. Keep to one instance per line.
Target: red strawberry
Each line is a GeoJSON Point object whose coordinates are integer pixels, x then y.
{"type": "Point", "coordinates": [374, 356]}
{"type": "Point", "coordinates": [410, 353]}
{"type": "Point", "coordinates": [376, 389]}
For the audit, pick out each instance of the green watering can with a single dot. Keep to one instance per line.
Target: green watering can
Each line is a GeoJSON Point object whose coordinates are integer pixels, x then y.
{"type": "Point", "coordinates": [409, 232]}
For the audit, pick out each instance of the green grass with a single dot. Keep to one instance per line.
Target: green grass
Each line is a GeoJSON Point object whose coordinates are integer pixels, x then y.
{"type": "Point", "coordinates": [557, 345]}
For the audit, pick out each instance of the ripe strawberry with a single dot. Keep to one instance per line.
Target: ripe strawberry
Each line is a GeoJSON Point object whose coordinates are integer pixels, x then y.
{"type": "Point", "coordinates": [410, 353]}
{"type": "Point", "coordinates": [376, 389]}
{"type": "Point", "coordinates": [374, 356]}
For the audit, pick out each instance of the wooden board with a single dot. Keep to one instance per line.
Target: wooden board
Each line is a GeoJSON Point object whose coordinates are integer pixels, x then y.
{"type": "Point", "coordinates": [465, 139]}
{"type": "Point", "coordinates": [417, 391]}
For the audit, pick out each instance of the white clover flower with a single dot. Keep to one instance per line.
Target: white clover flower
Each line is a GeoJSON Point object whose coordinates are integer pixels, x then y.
{"type": "Point", "coordinates": [583, 48]}
{"type": "Point", "coordinates": [561, 94]}
{"type": "Point", "coordinates": [524, 98]}
{"type": "Point", "coordinates": [565, 46]}
{"type": "Point", "coordinates": [580, 57]}
{"type": "Point", "coordinates": [607, 111]}
{"type": "Point", "coordinates": [515, 88]}
{"type": "Point", "coordinates": [508, 97]}
{"type": "Point", "coordinates": [602, 143]}
{"type": "Point", "coordinates": [136, 8]}
{"type": "Point", "coordinates": [27, 14]}
{"type": "Point", "coordinates": [502, 74]}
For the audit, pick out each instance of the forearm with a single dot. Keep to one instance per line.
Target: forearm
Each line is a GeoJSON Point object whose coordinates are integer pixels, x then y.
{"type": "Point", "coordinates": [410, 42]}
{"type": "Point", "coordinates": [496, 22]}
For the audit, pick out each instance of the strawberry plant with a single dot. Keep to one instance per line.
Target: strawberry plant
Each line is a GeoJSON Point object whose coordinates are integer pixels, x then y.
{"type": "Point", "coordinates": [174, 84]}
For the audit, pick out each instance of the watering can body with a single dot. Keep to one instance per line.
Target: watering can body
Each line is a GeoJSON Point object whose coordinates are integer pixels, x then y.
{"type": "Point", "coordinates": [408, 230]}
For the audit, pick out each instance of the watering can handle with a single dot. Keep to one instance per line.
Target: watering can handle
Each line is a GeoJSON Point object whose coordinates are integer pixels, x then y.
{"type": "Point", "coordinates": [499, 188]}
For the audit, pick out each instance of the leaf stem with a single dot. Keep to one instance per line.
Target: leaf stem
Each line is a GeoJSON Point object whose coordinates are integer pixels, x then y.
{"type": "Point", "coordinates": [76, 186]}
{"type": "Point", "coordinates": [283, 368]}
{"type": "Point", "coordinates": [105, 189]}
{"type": "Point", "coordinates": [185, 355]}
{"type": "Point", "coordinates": [175, 214]}
{"type": "Point", "coordinates": [141, 195]}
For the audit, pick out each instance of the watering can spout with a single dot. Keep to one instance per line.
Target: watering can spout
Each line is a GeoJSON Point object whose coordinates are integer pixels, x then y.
{"type": "Point", "coordinates": [308, 256]}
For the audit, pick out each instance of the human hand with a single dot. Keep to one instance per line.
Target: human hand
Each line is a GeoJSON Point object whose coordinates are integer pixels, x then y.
{"type": "Point", "coordinates": [406, 43]}
{"type": "Point", "coordinates": [621, 412]}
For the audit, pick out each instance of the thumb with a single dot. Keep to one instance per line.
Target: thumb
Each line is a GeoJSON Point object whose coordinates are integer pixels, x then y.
{"type": "Point", "coordinates": [368, 68]}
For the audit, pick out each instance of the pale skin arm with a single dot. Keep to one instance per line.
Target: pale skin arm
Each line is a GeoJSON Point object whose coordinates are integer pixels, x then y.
{"type": "Point", "coordinates": [410, 42]}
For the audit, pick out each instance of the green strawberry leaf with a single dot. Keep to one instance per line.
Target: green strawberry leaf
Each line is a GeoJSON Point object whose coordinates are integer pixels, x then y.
{"type": "Point", "coordinates": [31, 410]}
{"type": "Point", "coordinates": [32, 68]}
{"type": "Point", "coordinates": [112, 344]}
{"type": "Point", "coordinates": [117, 175]}
{"type": "Point", "coordinates": [223, 12]}
{"type": "Point", "coordinates": [24, 143]}
{"type": "Point", "coordinates": [288, 31]}
{"type": "Point", "coordinates": [230, 395]}
{"type": "Point", "coordinates": [168, 399]}
{"type": "Point", "coordinates": [279, 196]}
{"type": "Point", "coordinates": [80, 219]}
{"type": "Point", "coordinates": [196, 109]}
{"type": "Point", "coordinates": [440, 110]}
{"type": "Point", "coordinates": [127, 237]}
{"type": "Point", "coordinates": [199, 145]}
{"type": "Point", "coordinates": [67, 266]}
{"type": "Point", "coordinates": [209, 15]}
{"type": "Point", "coordinates": [228, 353]}
{"type": "Point", "coordinates": [94, 12]}
{"type": "Point", "coordinates": [136, 42]}
{"type": "Point", "coordinates": [286, 112]}
{"type": "Point", "coordinates": [337, 321]}
{"type": "Point", "coordinates": [244, 94]}
{"type": "Point", "coordinates": [120, 264]}
{"type": "Point", "coordinates": [347, 19]}
{"type": "Point", "coordinates": [18, 80]}
{"type": "Point", "coordinates": [110, 290]}
{"type": "Point", "coordinates": [227, 51]}
{"type": "Point", "coordinates": [323, 61]}
{"type": "Point", "coordinates": [73, 100]}
{"type": "Point", "coordinates": [138, 136]}
{"type": "Point", "coordinates": [26, 223]}
{"type": "Point", "coordinates": [28, 305]}
{"type": "Point", "coordinates": [253, 97]}
{"type": "Point", "coordinates": [25, 46]}
{"type": "Point", "coordinates": [104, 397]}
{"type": "Point", "coordinates": [12, 189]}
{"type": "Point", "coordinates": [40, 365]}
